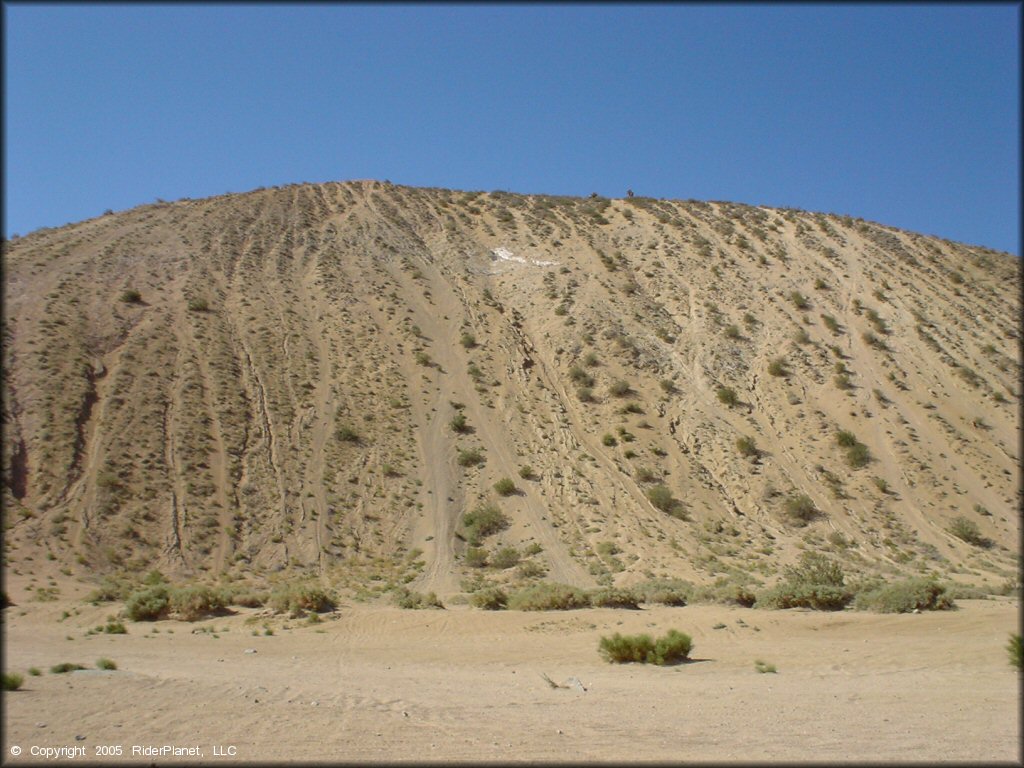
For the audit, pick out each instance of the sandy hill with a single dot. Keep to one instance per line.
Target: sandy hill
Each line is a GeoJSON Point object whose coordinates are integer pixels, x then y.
{"type": "Point", "coordinates": [325, 379]}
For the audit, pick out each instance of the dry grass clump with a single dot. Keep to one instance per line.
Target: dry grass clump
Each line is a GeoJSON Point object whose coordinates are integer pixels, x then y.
{"type": "Point", "coordinates": [672, 648]}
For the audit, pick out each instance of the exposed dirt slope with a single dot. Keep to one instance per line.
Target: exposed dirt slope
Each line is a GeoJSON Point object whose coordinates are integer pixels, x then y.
{"type": "Point", "coordinates": [281, 394]}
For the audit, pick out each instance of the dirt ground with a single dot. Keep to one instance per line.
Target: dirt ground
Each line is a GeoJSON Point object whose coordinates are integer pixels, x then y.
{"type": "Point", "coordinates": [379, 684]}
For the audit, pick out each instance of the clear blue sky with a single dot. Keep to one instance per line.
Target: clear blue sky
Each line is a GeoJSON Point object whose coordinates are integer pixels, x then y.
{"type": "Point", "coordinates": [904, 114]}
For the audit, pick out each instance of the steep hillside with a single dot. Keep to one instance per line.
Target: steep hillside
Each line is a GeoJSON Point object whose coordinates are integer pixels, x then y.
{"type": "Point", "coordinates": [296, 379]}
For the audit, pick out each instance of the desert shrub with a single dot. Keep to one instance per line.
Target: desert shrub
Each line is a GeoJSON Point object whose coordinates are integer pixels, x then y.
{"type": "Point", "coordinates": [490, 599]}
{"type": "Point", "coordinates": [505, 487]}
{"type": "Point", "coordinates": [131, 296]}
{"type": "Point", "coordinates": [820, 597]}
{"type": "Point", "coordinates": [845, 438]}
{"type": "Point", "coordinates": [777, 367]}
{"type": "Point", "coordinates": [830, 323]}
{"type": "Point", "coordinates": [198, 305]}
{"type": "Point", "coordinates": [470, 457]}
{"type": "Point", "coordinates": [65, 666]}
{"type": "Point", "coordinates": [476, 557]}
{"type": "Point", "coordinates": [114, 627]}
{"type": "Point", "coordinates": [800, 508]}
{"type": "Point", "coordinates": [530, 569]}
{"type": "Point", "coordinates": [458, 423]}
{"type": "Point", "coordinates": [661, 497]}
{"type": "Point", "coordinates": [548, 596]}
{"type": "Point", "coordinates": [107, 664]}
{"type": "Point", "coordinates": [526, 472]}
{"type": "Point", "coordinates": [626, 649]}
{"type": "Point", "coordinates": [674, 592]}
{"type": "Point", "coordinates": [195, 602]}
{"type": "Point", "coordinates": [732, 332]}
{"type": "Point", "coordinates": [347, 434]}
{"type": "Point", "coordinates": [858, 456]}
{"type": "Point", "coordinates": [1015, 650]}
{"type": "Point", "coordinates": [108, 591]}
{"type": "Point", "coordinates": [247, 597]}
{"type": "Point", "coordinates": [609, 440]}
{"type": "Point", "coordinates": [12, 681]}
{"type": "Point", "coordinates": [585, 394]}
{"type": "Point", "coordinates": [967, 530]}
{"type": "Point", "coordinates": [815, 582]}
{"type": "Point", "coordinates": [731, 593]}
{"type": "Point", "coordinates": [422, 358]}
{"type": "Point", "coordinates": [799, 300]}
{"type": "Point", "coordinates": [468, 340]}
{"type": "Point", "coordinates": [581, 377]}
{"type": "Point", "coordinates": [842, 381]}
{"type": "Point", "coordinates": [504, 558]}
{"type": "Point", "coordinates": [746, 446]}
{"type": "Point", "coordinates": [671, 648]}
{"type": "Point", "coordinates": [764, 668]}
{"type": "Point", "coordinates": [484, 521]}
{"type": "Point", "coordinates": [904, 596]}
{"type": "Point", "coordinates": [619, 388]}
{"type": "Point", "coordinates": [407, 598]}
{"type": "Point", "coordinates": [612, 597]}
{"type": "Point", "coordinates": [297, 599]}
{"type": "Point", "coordinates": [727, 396]}
{"type": "Point", "coordinates": [147, 604]}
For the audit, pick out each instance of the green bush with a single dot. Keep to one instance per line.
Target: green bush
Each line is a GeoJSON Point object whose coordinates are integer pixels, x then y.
{"type": "Point", "coordinates": [846, 439]}
{"type": "Point", "coordinates": [904, 596]}
{"type": "Point", "coordinates": [619, 388]}
{"type": "Point", "coordinates": [608, 439]}
{"type": "Point", "coordinates": [196, 602]}
{"type": "Point", "coordinates": [198, 305]}
{"type": "Point", "coordinates": [548, 596]}
{"type": "Point", "coordinates": [613, 597]}
{"type": "Point", "coordinates": [407, 598]}
{"type": "Point", "coordinates": [746, 446]}
{"type": "Point", "coordinates": [347, 434]}
{"type": "Point", "coordinates": [661, 497]}
{"type": "Point", "coordinates": [580, 377]}
{"type": "Point", "coordinates": [297, 599]}
{"type": "Point", "coordinates": [66, 666]}
{"type": "Point", "coordinates": [470, 457]}
{"type": "Point", "coordinates": [628, 649]}
{"type": "Point", "coordinates": [107, 664]}
{"type": "Point", "coordinates": [113, 627]}
{"type": "Point", "coordinates": [675, 592]}
{"type": "Point", "coordinates": [672, 648]}
{"type": "Point", "coordinates": [777, 367]}
{"type": "Point", "coordinates": [1015, 651]}
{"type": "Point", "coordinates": [526, 472]}
{"type": "Point", "coordinates": [476, 557]}
{"type": "Point", "coordinates": [484, 521]}
{"type": "Point", "coordinates": [505, 558]}
{"type": "Point", "coordinates": [858, 456]}
{"type": "Point", "coordinates": [505, 487]}
{"type": "Point", "coordinates": [490, 599]}
{"type": "Point", "coordinates": [815, 582]}
{"type": "Point", "coordinates": [967, 530]}
{"type": "Point", "coordinates": [12, 681]}
{"type": "Point", "coordinates": [131, 296]}
{"type": "Point", "coordinates": [458, 423]}
{"type": "Point", "coordinates": [468, 340]}
{"type": "Point", "coordinates": [727, 396]}
{"type": "Point", "coordinates": [147, 604]}
{"type": "Point", "coordinates": [799, 300]}
{"type": "Point", "coordinates": [800, 508]}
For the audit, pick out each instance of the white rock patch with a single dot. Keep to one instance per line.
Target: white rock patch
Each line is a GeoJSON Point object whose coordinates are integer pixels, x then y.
{"type": "Point", "coordinates": [504, 254]}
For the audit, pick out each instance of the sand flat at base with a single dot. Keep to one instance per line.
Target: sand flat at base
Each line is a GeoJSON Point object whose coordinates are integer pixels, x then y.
{"type": "Point", "coordinates": [382, 684]}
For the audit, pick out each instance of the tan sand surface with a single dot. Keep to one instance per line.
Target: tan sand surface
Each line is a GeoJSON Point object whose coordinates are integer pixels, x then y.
{"type": "Point", "coordinates": [374, 683]}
